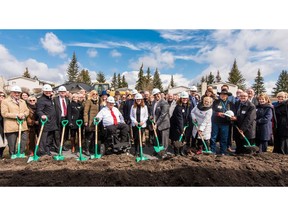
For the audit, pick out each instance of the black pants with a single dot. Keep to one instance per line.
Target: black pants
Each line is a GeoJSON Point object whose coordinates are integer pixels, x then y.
{"type": "Point", "coordinates": [48, 140]}
{"type": "Point", "coordinates": [136, 137]}
{"type": "Point", "coordinates": [112, 130]}
{"type": "Point", "coordinates": [12, 139]}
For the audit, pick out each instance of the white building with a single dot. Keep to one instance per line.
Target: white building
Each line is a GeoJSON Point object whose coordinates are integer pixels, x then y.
{"type": "Point", "coordinates": [178, 89]}
{"type": "Point", "coordinates": [29, 84]}
{"type": "Point", "coordinates": [217, 87]}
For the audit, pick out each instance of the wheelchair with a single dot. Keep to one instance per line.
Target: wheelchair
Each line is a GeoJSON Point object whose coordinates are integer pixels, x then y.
{"type": "Point", "coordinates": [108, 145]}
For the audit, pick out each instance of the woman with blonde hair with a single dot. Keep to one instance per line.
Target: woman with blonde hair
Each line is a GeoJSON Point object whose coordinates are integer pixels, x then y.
{"type": "Point", "coordinates": [91, 109]}
{"type": "Point", "coordinates": [264, 117]}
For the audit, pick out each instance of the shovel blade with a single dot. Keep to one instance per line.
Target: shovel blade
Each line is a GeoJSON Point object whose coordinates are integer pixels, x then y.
{"type": "Point", "coordinates": [207, 152]}
{"type": "Point", "coordinates": [59, 157]}
{"type": "Point", "coordinates": [95, 156]}
{"type": "Point", "coordinates": [158, 148]}
{"type": "Point", "coordinates": [33, 158]}
{"type": "Point", "coordinates": [14, 156]}
{"type": "Point", "coordinates": [81, 158]}
{"type": "Point", "coordinates": [138, 159]}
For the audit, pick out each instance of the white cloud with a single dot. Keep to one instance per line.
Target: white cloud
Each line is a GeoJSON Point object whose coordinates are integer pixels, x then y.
{"type": "Point", "coordinates": [10, 67]}
{"type": "Point", "coordinates": [106, 45]}
{"type": "Point", "coordinates": [176, 35]}
{"type": "Point", "coordinates": [115, 54]}
{"type": "Point", "coordinates": [53, 45]}
{"type": "Point", "coordinates": [92, 53]}
{"type": "Point", "coordinates": [269, 86]}
{"type": "Point", "coordinates": [156, 59]}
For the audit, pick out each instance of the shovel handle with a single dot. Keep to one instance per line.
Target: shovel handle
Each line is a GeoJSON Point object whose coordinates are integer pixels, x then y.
{"type": "Point", "coordinates": [43, 122]}
{"type": "Point", "coordinates": [96, 121]}
{"type": "Point", "coordinates": [20, 121]}
{"type": "Point", "coordinates": [139, 126]}
{"type": "Point", "coordinates": [79, 122]}
{"type": "Point", "coordinates": [64, 122]}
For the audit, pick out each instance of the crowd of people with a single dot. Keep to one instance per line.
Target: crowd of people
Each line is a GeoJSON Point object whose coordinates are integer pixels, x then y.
{"type": "Point", "coordinates": [198, 122]}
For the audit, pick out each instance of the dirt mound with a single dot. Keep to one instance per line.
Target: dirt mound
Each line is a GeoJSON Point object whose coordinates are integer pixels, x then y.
{"type": "Point", "coordinates": [121, 170]}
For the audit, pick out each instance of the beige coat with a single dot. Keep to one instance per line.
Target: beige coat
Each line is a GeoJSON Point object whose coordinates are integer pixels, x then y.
{"type": "Point", "coordinates": [9, 111]}
{"type": "Point", "coordinates": [90, 111]}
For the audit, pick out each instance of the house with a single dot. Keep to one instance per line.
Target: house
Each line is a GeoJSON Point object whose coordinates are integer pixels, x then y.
{"type": "Point", "coordinates": [75, 87]}
{"type": "Point", "coordinates": [217, 87]}
{"type": "Point", "coordinates": [178, 89]}
{"type": "Point", "coordinates": [31, 85]}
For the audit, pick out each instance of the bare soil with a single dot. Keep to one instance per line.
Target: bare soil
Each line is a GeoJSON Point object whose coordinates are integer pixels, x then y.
{"type": "Point", "coordinates": [265, 169]}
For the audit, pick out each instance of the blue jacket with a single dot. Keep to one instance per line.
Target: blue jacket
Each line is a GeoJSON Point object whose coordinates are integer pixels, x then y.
{"type": "Point", "coordinates": [264, 122]}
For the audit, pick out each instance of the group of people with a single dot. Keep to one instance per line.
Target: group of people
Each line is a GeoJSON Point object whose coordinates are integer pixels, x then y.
{"type": "Point", "coordinates": [197, 122]}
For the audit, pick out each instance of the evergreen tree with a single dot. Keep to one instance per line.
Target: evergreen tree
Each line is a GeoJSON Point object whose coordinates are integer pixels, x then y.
{"type": "Point", "coordinates": [157, 83]}
{"type": "Point", "coordinates": [258, 85]}
{"type": "Point", "coordinates": [210, 79]}
{"type": "Point", "coordinates": [235, 77]}
{"type": "Point", "coordinates": [202, 79]}
{"type": "Point", "coordinates": [141, 79]}
{"type": "Point", "coordinates": [119, 81]}
{"type": "Point", "coordinates": [114, 83]}
{"type": "Point", "coordinates": [123, 82]}
{"type": "Point", "coordinates": [218, 77]}
{"type": "Point", "coordinates": [148, 81]}
{"type": "Point", "coordinates": [282, 83]}
{"type": "Point", "coordinates": [172, 84]}
{"type": "Point", "coordinates": [84, 77]}
{"type": "Point", "coordinates": [100, 78]}
{"type": "Point", "coordinates": [26, 73]}
{"type": "Point", "coordinates": [72, 71]}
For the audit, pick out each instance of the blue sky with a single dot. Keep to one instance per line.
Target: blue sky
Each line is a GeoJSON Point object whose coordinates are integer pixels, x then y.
{"type": "Point", "coordinates": [186, 54]}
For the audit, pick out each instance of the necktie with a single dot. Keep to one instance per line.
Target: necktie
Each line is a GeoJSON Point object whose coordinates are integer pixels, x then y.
{"type": "Point", "coordinates": [114, 117]}
{"type": "Point", "coordinates": [64, 107]}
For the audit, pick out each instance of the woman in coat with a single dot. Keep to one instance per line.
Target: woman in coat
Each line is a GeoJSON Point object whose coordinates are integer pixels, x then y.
{"type": "Point", "coordinates": [180, 119]}
{"type": "Point", "coordinates": [202, 116]}
{"type": "Point", "coordinates": [263, 122]}
{"type": "Point", "coordinates": [91, 109]}
{"type": "Point", "coordinates": [139, 116]}
{"type": "Point", "coordinates": [75, 112]}
{"type": "Point", "coordinates": [281, 127]}
{"type": "Point", "coordinates": [2, 139]}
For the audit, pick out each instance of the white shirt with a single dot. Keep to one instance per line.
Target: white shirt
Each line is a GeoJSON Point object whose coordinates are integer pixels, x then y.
{"type": "Point", "coordinates": [61, 105]}
{"type": "Point", "coordinates": [105, 116]}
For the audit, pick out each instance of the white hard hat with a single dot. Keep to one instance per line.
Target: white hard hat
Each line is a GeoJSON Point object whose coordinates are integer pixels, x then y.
{"type": "Point", "coordinates": [184, 94]}
{"type": "Point", "coordinates": [138, 96]}
{"type": "Point", "coordinates": [193, 88]}
{"type": "Point", "coordinates": [110, 99]}
{"type": "Point", "coordinates": [134, 91]}
{"type": "Point", "coordinates": [229, 113]}
{"type": "Point", "coordinates": [16, 89]}
{"type": "Point", "coordinates": [155, 91]}
{"type": "Point", "coordinates": [62, 89]}
{"type": "Point", "coordinates": [47, 87]}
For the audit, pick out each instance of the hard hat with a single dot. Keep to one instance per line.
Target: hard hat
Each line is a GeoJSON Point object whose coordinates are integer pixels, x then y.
{"type": "Point", "coordinates": [134, 91]}
{"type": "Point", "coordinates": [16, 89]}
{"type": "Point", "coordinates": [47, 87]}
{"type": "Point", "coordinates": [138, 96]}
{"type": "Point", "coordinates": [193, 88]}
{"type": "Point", "coordinates": [62, 89]}
{"type": "Point", "coordinates": [229, 113]}
{"type": "Point", "coordinates": [110, 99]}
{"type": "Point", "coordinates": [184, 94]}
{"type": "Point", "coordinates": [155, 91]}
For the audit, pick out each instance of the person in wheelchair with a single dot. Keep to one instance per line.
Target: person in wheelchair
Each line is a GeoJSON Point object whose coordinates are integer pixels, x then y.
{"type": "Point", "coordinates": [113, 120]}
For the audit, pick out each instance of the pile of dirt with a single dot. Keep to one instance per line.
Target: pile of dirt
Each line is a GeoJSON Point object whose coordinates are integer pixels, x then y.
{"type": "Point", "coordinates": [265, 169]}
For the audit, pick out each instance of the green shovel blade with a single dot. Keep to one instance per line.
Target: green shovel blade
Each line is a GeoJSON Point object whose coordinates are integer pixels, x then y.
{"type": "Point", "coordinates": [59, 157]}
{"type": "Point", "coordinates": [158, 148]}
{"type": "Point", "coordinates": [207, 152]}
{"type": "Point", "coordinates": [141, 159]}
{"type": "Point", "coordinates": [82, 158]}
{"type": "Point", "coordinates": [95, 156]}
{"type": "Point", "coordinates": [33, 158]}
{"type": "Point", "coordinates": [14, 156]}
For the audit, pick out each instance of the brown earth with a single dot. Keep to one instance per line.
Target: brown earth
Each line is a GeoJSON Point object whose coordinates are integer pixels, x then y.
{"type": "Point", "coordinates": [265, 169]}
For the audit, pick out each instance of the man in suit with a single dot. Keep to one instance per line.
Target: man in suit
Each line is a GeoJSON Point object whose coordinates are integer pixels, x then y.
{"type": "Point", "coordinates": [160, 115]}
{"type": "Point", "coordinates": [251, 96]}
{"type": "Point", "coordinates": [61, 103]}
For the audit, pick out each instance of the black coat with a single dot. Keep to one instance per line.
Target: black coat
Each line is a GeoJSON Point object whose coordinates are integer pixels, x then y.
{"type": "Point", "coordinates": [246, 118]}
{"type": "Point", "coordinates": [180, 118]}
{"type": "Point", "coordinates": [75, 112]}
{"type": "Point", "coordinates": [220, 106]}
{"type": "Point", "coordinates": [126, 110]}
{"type": "Point", "coordinates": [264, 122]}
{"type": "Point", "coordinates": [281, 112]}
{"type": "Point", "coordinates": [46, 107]}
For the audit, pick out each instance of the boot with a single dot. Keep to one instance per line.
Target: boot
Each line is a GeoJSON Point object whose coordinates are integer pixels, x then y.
{"type": "Point", "coordinates": [181, 151]}
{"type": "Point", "coordinates": [86, 149]}
{"type": "Point", "coordinates": [199, 150]}
{"type": "Point", "coordinates": [72, 139]}
{"type": "Point", "coordinates": [176, 151]}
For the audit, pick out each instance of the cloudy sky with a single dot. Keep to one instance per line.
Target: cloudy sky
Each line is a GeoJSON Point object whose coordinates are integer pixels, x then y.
{"type": "Point", "coordinates": [186, 54]}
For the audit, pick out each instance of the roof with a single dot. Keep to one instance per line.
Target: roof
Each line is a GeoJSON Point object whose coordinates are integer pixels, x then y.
{"type": "Point", "coordinates": [75, 86]}
{"type": "Point", "coordinates": [21, 77]}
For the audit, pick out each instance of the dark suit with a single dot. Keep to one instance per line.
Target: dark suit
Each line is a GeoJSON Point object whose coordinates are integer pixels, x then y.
{"type": "Point", "coordinates": [161, 118]}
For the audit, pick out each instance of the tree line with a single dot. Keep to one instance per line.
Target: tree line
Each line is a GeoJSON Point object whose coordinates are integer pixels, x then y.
{"type": "Point", "coordinates": [148, 82]}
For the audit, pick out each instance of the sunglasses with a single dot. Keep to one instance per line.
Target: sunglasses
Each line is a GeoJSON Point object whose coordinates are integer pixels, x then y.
{"type": "Point", "coordinates": [2, 95]}
{"type": "Point", "coordinates": [32, 100]}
